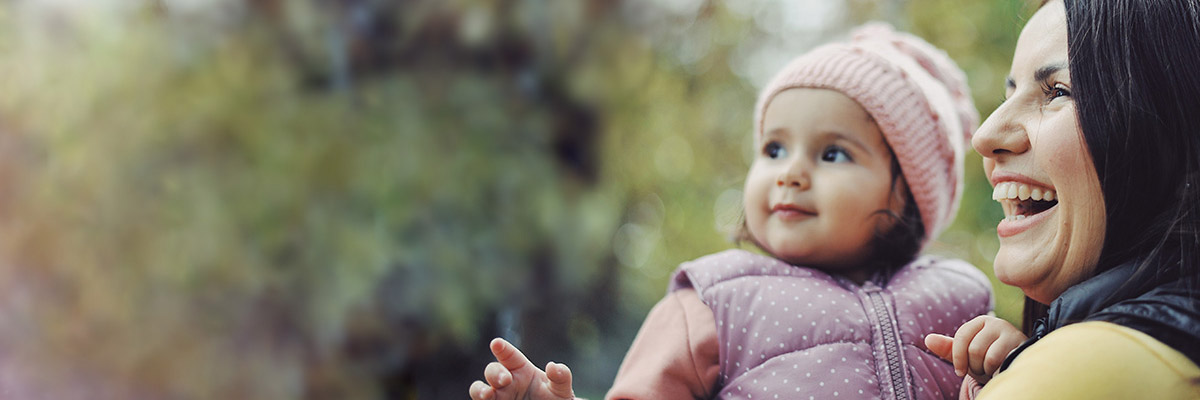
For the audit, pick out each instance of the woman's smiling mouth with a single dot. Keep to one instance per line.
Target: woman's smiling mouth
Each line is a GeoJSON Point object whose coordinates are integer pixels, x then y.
{"type": "Point", "coordinates": [1024, 206]}
{"type": "Point", "coordinates": [1021, 200]}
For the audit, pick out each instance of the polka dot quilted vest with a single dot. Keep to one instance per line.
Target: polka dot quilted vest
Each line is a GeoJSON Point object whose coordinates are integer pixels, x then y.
{"type": "Point", "coordinates": [788, 332]}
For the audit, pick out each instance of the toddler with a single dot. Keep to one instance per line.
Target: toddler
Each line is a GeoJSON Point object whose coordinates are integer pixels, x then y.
{"type": "Point", "coordinates": [859, 162]}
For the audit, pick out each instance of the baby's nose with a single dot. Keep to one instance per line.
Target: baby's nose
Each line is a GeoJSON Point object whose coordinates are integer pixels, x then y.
{"type": "Point", "coordinates": [794, 176]}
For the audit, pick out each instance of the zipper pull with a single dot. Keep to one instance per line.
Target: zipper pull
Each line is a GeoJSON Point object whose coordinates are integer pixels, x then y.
{"type": "Point", "coordinates": [870, 287]}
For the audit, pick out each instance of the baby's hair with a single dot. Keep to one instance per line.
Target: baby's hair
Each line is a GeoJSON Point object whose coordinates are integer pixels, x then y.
{"type": "Point", "coordinates": [892, 248]}
{"type": "Point", "coordinates": [898, 245]}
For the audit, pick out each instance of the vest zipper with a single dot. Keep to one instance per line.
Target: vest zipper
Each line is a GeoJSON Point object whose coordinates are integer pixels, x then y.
{"type": "Point", "coordinates": [891, 342]}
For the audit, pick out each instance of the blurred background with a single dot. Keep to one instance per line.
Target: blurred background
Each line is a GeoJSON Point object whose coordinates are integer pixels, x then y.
{"type": "Point", "coordinates": [346, 199]}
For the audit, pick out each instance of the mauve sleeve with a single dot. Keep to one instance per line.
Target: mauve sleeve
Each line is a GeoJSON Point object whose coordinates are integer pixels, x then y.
{"type": "Point", "coordinates": [970, 389]}
{"type": "Point", "coordinates": [674, 355]}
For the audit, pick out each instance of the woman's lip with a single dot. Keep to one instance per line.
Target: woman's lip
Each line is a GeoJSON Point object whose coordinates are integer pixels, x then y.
{"type": "Point", "coordinates": [1008, 228]}
{"type": "Point", "coordinates": [998, 177]}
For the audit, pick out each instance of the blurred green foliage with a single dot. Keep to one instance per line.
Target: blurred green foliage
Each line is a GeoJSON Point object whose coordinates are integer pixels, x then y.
{"type": "Point", "coordinates": [315, 199]}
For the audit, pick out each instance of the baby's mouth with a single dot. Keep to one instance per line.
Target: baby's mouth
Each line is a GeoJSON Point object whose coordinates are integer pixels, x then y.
{"type": "Point", "coordinates": [1020, 200]}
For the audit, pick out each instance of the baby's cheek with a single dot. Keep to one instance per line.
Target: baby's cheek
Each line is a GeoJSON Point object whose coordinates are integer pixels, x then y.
{"type": "Point", "coordinates": [756, 223]}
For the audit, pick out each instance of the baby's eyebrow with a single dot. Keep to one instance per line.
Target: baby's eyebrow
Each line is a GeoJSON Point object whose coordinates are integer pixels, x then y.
{"type": "Point", "coordinates": [775, 132]}
{"type": "Point", "coordinates": [853, 141]}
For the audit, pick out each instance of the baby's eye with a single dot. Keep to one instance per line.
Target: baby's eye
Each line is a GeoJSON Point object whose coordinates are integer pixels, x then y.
{"type": "Point", "coordinates": [774, 150]}
{"type": "Point", "coordinates": [835, 154]}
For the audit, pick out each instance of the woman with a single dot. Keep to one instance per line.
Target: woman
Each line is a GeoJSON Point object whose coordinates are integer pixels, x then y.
{"type": "Point", "coordinates": [1095, 156]}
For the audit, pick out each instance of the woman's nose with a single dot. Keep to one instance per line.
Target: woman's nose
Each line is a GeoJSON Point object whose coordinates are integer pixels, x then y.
{"type": "Point", "coordinates": [1001, 134]}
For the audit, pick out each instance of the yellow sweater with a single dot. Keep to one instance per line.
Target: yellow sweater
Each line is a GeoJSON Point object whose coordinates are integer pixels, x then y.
{"type": "Point", "coordinates": [1097, 360]}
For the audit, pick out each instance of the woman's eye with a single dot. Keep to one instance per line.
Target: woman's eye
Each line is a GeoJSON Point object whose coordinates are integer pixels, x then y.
{"type": "Point", "coordinates": [774, 150]}
{"type": "Point", "coordinates": [835, 154]}
{"type": "Point", "coordinates": [1055, 92]}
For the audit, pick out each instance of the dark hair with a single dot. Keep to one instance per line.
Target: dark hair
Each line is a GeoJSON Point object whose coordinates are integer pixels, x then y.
{"type": "Point", "coordinates": [899, 244]}
{"type": "Point", "coordinates": [1137, 99]}
{"type": "Point", "coordinates": [892, 248]}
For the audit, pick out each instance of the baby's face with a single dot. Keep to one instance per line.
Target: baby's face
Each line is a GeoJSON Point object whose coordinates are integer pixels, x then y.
{"type": "Point", "coordinates": [821, 174]}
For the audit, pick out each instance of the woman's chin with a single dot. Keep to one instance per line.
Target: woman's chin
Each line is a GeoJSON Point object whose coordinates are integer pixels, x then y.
{"type": "Point", "coordinates": [1032, 286]}
{"type": "Point", "coordinates": [1020, 274]}
{"type": "Point", "coordinates": [1008, 270]}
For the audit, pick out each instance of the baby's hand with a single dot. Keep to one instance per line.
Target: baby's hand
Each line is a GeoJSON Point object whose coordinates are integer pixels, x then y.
{"type": "Point", "coordinates": [514, 377]}
{"type": "Point", "coordinates": [979, 346]}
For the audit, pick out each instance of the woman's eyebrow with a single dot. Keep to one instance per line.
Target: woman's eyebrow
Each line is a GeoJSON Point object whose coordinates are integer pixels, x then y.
{"type": "Point", "coordinates": [1041, 74]}
{"type": "Point", "coordinates": [1047, 70]}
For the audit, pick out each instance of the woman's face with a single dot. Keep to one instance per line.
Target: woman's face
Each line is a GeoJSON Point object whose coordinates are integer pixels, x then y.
{"type": "Point", "coordinates": [1043, 177]}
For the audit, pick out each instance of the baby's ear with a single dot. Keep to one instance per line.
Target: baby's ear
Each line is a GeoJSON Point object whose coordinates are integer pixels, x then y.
{"type": "Point", "coordinates": [899, 189]}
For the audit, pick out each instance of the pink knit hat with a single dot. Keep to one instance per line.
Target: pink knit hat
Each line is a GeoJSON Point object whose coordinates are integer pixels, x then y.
{"type": "Point", "coordinates": [917, 96]}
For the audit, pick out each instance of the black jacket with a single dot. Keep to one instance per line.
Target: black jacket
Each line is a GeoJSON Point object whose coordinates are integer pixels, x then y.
{"type": "Point", "coordinates": [1161, 306]}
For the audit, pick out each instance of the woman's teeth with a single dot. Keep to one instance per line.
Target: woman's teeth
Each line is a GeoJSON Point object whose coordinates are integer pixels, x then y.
{"type": "Point", "coordinates": [1021, 191]}
{"type": "Point", "coordinates": [1020, 200]}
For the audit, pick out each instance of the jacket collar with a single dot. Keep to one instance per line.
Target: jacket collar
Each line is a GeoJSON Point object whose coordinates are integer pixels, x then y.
{"type": "Point", "coordinates": [1076, 304]}
{"type": "Point", "coordinates": [1088, 297]}
{"type": "Point", "coordinates": [1162, 306]}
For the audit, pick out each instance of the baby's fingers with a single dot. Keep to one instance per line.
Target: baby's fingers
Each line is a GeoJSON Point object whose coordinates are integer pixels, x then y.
{"type": "Point", "coordinates": [999, 351]}
{"type": "Point", "coordinates": [941, 345]}
{"type": "Point", "coordinates": [559, 377]}
{"type": "Point", "coordinates": [995, 357]}
{"type": "Point", "coordinates": [509, 355]}
{"type": "Point", "coordinates": [481, 391]}
{"type": "Point", "coordinates": [979, 350]}
{"type": "Point", "coordinates": [962, 342]}
{"type": "Point", "coordinates": [497, 376]}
